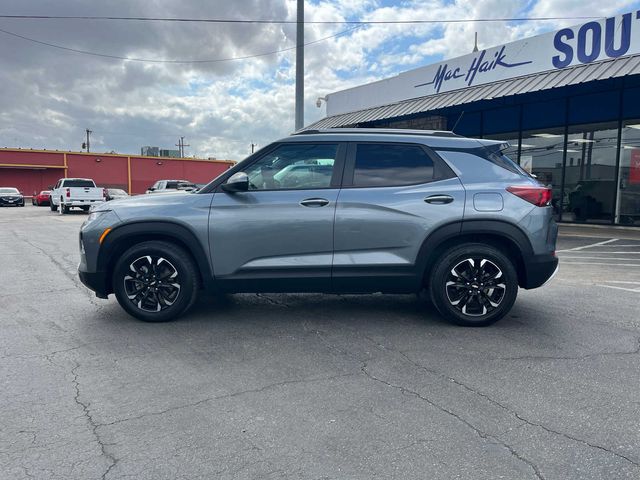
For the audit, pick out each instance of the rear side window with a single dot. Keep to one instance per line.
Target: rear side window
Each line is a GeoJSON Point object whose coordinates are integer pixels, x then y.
{"type": "Point", "coordinates": [78, 183]}
{"type": "Point", "coordinates": [495, 156]}
{"type": "Point", "coordinates": [380, 165]}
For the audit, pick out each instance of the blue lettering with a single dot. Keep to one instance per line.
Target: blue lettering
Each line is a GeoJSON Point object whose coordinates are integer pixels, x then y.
{"type": "Point", "coordinates": [625, 36]}
{"type": "Point", "coordinates": [596, 40]}
{"type": "Point", "coordinates": [562, 47]}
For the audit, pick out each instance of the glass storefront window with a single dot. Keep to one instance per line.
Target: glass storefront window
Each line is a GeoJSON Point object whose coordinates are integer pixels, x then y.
{"type": "Point", "coordinates": [628, 196]}
{"type": "Point", "coordinates": [541, 154]}
{"type": "Point", "coordinates": [590, 165]}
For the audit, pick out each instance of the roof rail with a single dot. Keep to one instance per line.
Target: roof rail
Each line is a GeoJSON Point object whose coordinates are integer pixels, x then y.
{"type": "Point", "coordinates": [378, 131]}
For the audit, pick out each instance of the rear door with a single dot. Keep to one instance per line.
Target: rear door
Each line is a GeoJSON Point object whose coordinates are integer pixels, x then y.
{"type": "Point", "coordinates": [278, 236]}
{"type": "Point", "coordinates": [393, 196]}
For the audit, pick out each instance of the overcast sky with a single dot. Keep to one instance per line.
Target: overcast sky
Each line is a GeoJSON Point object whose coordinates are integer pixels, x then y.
{"type": "Point", "coordinates": [49, 96]}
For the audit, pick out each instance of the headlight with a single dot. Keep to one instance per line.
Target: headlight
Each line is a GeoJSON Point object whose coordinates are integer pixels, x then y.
{"type": "Point", "coordinates": [93, 216]}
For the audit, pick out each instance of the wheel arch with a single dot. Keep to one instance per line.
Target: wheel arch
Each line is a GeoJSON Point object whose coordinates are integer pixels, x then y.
{"type": "Point", "coordinates": [126, 236]}
{"type": "Point", "coordinates": [507, 237]}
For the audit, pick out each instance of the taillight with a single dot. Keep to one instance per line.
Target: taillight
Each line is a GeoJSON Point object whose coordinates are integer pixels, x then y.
{"type": "Point", "coordinates": [68, 192]}
{"type": "Point", "coordinates": [539, 196]}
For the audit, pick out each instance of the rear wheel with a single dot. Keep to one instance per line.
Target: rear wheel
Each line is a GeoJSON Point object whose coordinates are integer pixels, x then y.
{"type": "Point", "coordinates": [155, 281]}
{"type": "Point", "coordinates": [85, 209]}
{"type": "Point", "coordinates": [474, 285]}
{"type": "Point", "coordinates": [52, 206]}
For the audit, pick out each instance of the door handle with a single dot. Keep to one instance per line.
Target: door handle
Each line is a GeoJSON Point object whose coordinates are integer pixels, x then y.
{"type": "Point", "coordinates": [314, 202]}
{"type": "Point", "coordinates": [439, 199]}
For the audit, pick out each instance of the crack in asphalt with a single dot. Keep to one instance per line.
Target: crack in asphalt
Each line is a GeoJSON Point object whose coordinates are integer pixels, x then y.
{"type": "Point", "coordinates": [271, 300]}
{"type": "Point", "coordinates": [94, 426]}
{"type": "Point", "coordinates": [226, 396]}
{"type": "Point", "coordinates": [482, 434]}
{"type": "Point", "coordinates": [635, 351]}
{"type": "Point", "coordinates": [491, 400]}
{"type": "Point", "coordinates": [74, 278]}
{"type": "Point", "coordinates": [509, 410]}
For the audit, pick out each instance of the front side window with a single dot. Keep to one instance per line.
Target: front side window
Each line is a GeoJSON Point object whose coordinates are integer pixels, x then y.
{"type": "Point", "coordinates": [378, 165]}
{"type": "Point", "coordinates": [294, 166]}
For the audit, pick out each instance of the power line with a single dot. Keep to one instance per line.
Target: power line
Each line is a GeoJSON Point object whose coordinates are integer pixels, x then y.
{"type": "Point", "coordinates": [152, 60]}
{"type": "Point", "coordinates": [283, 22]}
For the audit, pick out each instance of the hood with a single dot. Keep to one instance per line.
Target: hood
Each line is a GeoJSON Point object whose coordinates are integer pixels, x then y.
{"type": "Point", "coordinates": [11, 195]}
{"type": "Point", "coordinates": [176, 207]}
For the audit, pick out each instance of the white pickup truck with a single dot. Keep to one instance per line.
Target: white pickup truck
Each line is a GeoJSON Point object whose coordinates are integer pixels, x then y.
{"type": "Point", "coordinates": [75, 192]}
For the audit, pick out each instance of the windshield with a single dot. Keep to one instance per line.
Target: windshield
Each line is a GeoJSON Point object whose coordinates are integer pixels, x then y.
{"type": "Point", "coordinates": [9, 190]}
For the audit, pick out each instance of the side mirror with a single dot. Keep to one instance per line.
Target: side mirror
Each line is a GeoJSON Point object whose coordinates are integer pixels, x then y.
{"type": "Point", "coordinates": [238, 182]}
{"type": "Point", "coordinates": [151, 189]}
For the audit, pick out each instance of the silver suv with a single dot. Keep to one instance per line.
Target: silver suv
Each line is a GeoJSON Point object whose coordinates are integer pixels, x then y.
{"type": "Point", "coordinates": [335, 211]}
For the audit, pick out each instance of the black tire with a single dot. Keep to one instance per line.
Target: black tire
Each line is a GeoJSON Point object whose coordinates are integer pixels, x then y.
{"type": "Point", "coordinates": [54, 208]}
{"type": "Point", "coordinates": [141, 285]}
{"type": "Point", "coordinates": [85, 209]}
{"type": "Point", "coordinates": [473, 285]}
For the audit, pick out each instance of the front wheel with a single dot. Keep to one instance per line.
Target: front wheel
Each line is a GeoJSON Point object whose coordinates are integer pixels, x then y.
{"type": "Point", "coordinates": [474, 285]}
{"type": "Point", "coordinates": [155, 281]}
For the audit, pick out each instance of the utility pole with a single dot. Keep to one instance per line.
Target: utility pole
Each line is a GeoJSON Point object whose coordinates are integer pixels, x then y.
{"type": "Point", "coordinates": [181, 146]}
{"type": "Point", "coordinates": [300, 66]}
{"type": "Point", "coordinates": [87, 145]}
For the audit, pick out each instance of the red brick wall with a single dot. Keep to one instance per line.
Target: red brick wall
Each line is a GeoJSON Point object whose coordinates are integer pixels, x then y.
{"type": "Point", "coordinates": [110, 171]}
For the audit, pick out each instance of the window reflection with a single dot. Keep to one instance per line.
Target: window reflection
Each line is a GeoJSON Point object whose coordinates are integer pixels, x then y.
{"type": "Point", "coordinates": [628, 197]}
{"type": "Point", "coordinates": [541, 154]}
{"type": "Point", "coordinates": [590, 173]}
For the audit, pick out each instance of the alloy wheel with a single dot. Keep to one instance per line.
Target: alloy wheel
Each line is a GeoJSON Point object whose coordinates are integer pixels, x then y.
{"type": "Point", "coordinates": [475, 286]}
{"type": "Point", "coordinates": [153, 284]}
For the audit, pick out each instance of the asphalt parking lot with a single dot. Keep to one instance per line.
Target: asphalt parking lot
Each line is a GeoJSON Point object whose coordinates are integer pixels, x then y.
{"type": "Point", "coordinates": [317, 386]}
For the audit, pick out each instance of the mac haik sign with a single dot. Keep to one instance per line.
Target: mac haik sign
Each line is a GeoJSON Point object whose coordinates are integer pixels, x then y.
{"type": "Point", "coordinates": [592, 41]}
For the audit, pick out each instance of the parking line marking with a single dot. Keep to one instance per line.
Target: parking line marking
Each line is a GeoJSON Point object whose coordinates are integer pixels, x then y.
{"type": "Point", "coordinates": [595, 258]}
{"type": "Point", "coordinates": [575, 249]}
{"type": "Point", "coordinates": [603, 263]}
{"type": "Point", "coordinates": [608, 253]}
{"type": "Point", "coordinates": [618, 245]}
{"type": "Point", "coordinates": [619, 288]}
{"type": "Point", "coordinates": [622, 281]}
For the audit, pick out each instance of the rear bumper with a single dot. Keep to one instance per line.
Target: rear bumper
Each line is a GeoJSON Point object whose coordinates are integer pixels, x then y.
{"type": "Point", "coordinates": [95, 281]}
{"type": "Point", "coordinates": [81, 203]}
{"type": "Point", "coordinates": [539, 269]}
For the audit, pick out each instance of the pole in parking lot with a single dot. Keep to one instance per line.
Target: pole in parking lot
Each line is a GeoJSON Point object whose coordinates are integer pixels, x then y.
{"type": "Point", "coordinates": [300, 66]}
{"type": "Point", "coordinates": [87, 145]}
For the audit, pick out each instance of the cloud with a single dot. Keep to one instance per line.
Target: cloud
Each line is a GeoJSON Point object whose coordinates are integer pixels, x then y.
{"type": "Point", "coordinates": [50, 96]}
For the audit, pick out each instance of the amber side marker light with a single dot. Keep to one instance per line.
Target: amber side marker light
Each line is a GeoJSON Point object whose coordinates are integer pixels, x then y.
{"type": "Point", "coordinates": [104, 234]}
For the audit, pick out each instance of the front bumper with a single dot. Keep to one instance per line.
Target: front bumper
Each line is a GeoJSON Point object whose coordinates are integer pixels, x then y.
{"type": "Point", "coordinates": [11, 203]}
{"type": "Point", "coordinates": [539, 269]}
{"type": "Point", "coordinates": [96, 281]}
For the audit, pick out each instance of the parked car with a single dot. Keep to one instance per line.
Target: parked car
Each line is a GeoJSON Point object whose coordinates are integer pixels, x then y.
{"type": "Point", "coordinates": [42, 198]}
{"type": "Point", "coordinates": [171, 186]}
{"type": "Point", "coordinates": [402, 211]}
{"type": "Point", "coordinates": [116, 194]}
{"type": "Point", "coordinates": [11, 197]}
{"type": "Point", "coordinates": [75, 192]}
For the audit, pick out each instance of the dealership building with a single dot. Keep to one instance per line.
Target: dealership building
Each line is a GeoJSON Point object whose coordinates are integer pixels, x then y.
{"type": "Point", "coordinates": [35, 170]}
{"type": "Point", "coordinates": [568, 103]}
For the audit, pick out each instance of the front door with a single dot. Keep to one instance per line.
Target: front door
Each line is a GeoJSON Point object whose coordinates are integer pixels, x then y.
{"type": "Point", "coordinates": [278, 236]}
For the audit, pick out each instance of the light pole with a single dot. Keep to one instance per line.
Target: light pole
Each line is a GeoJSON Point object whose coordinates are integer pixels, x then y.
{"type": "Point", "coordinates": [300, 66]}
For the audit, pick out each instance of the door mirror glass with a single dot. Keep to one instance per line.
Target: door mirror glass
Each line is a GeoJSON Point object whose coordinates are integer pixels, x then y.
{"type": "Point", "coordinates": [238, 182]}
